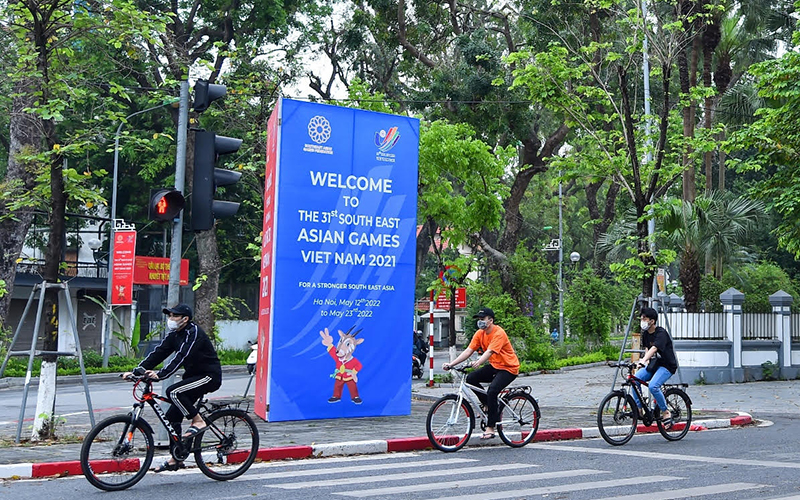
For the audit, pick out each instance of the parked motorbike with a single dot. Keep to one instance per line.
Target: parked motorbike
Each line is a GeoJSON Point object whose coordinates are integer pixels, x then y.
{"type": "Point", "coordinates": [252, 357]}
{"type": "Point", "coordinates": [416, 367]}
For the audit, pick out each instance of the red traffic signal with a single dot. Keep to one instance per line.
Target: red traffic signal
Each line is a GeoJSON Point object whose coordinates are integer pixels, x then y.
{"type": "Point", "coordinates": [165, 204]}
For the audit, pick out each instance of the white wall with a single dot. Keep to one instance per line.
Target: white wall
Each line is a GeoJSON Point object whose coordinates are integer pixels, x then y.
{"type": "Point", "coordinates": [235, 334]}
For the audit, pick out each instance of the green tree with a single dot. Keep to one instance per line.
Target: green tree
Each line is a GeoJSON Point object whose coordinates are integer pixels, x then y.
{"type": "Point", "coordinates": [718, 226]}
{"type": "Point", "coordinates": [588, 308]}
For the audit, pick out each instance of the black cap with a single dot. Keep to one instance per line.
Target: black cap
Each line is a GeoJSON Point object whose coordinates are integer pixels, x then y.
{"type": "Point", "coordinates": [484, 312]}
{"type": "Point", "coordinates": [180, 309]}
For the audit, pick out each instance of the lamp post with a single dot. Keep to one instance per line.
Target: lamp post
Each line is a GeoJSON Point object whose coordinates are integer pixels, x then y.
{"type": "Point", "coordinates": [107, 312]}
{"type": "Point", "coordinates": [575, 257]}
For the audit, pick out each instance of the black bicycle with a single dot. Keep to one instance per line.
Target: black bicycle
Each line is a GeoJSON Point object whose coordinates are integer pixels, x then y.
{"type": "Point", "coordinates": [118, 451]}
{"type": "Point", "coordinates": [618, 416]}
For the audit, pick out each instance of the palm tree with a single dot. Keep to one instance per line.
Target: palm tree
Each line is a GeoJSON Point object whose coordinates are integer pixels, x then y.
{"type": "Point", "coordinates": [717, 226]}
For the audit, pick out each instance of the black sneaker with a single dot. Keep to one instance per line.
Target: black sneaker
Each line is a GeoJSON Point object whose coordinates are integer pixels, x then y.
{"type": "Point", "coordinates": [357, 400]}
{"type": "Point", "coordinates": [334, 400]}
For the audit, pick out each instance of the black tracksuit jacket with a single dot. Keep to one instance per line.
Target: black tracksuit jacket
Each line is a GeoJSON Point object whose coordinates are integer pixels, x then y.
{"type": "Point", "coordinates": [194, 352]}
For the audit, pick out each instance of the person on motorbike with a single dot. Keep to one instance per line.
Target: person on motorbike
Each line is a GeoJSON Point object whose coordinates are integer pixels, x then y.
{"type": "Point", "coordinates": [420, 349]}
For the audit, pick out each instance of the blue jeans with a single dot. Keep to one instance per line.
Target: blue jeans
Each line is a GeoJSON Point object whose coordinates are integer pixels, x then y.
{"type": "Point", "coordinates": [656, 379]}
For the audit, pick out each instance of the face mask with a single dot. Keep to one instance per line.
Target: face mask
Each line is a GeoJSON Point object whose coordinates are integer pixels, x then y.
{"type": "Point", "coordinates": [482, 324]}
{"type": "Point", "coordinates": [645, 325]}
{"type": "Point", "coordinates": [172, 324]}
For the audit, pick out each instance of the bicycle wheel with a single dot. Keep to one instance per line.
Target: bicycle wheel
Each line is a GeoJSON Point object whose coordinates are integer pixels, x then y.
{"type": "Point", "coordinates": [228, 447]}
{"type": "Point", "coordinates": [115, 454]}
{"type": "Point", "coordinates": [519, 420]}
{"type": "Point", "coordinates": [617, 417]}
{"type": "Point", "coordinates": [449, 425]}
{"type": "Point", "coordinates": [680, 406]}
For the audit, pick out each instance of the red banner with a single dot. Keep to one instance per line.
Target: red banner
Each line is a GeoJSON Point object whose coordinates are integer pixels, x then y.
{"type": "Point", "coordinates": [122, 268]}
{"type": "Point", "coordinates": [155, 271]}
{"type": "Point", "coordinates": [443, 300]}
{"type": "Point", "coordinates": [267, 271]}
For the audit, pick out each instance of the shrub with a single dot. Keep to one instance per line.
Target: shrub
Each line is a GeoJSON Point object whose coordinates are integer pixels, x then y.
{"type": "Point", "coordinates": [587, 308]}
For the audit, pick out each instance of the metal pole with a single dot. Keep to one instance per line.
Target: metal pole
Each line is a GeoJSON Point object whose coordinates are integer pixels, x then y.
{"type": "Point", "coordinates": [430, 341]}
{"type": "Point", "coordinates": [173, 292]}
{"type": "Point", "coordinates": [174, 288]}
{"type": "Point", "coordinates": [560, 258]}
{"type": "Point", "coordinates": [107, 312]}
{"type": "Point", "coordinates": [651, 224]}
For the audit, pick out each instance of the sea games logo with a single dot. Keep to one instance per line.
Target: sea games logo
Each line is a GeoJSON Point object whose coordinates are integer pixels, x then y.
{"type": "Point", "coordinates": [384, 141]}
{"type": "Point", "coordinates": [319, 130]}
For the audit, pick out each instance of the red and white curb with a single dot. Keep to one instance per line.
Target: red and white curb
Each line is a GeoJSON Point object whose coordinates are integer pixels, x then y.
{"type": "Point", "coordinates": [42, 470]}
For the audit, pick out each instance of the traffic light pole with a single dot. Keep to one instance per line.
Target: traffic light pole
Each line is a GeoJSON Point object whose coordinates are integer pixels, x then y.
{"type": "Point", "coordinates": [174, 288]}
{"type": "Point", "coordinates": [173, 292]}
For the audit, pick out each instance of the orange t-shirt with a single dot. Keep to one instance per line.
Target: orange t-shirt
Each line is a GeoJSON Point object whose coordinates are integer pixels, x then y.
{"type": "Point", "coordinates": [503, 356]}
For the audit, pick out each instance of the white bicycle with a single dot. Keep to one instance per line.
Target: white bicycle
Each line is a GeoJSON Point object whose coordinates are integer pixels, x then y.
{"type": "Point", "coordinates": [451, 419]}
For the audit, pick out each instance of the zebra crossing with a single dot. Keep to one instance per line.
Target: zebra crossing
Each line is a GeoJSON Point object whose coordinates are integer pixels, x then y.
{"type": "Point", "coordinates": [424, 476]}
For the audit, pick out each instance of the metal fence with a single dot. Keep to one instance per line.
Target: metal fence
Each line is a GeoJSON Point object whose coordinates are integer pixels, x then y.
{"type": "Point", "coordinates": [758, 326]}
{"type": "Point", "coordinates": [795, 326]}
{"type": "Point", "coordinates": [695, 326]}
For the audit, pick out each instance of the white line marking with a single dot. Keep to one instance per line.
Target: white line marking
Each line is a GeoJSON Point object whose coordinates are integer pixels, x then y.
{"type": "Point", "coordinates": [338, 481]}
{"type": "Point", "coordinates": [669, 456]}
{"type": "Point", "coordinates": [358, 468]}
{"type": "Point", "coordinates": [697, 492]}
{"type": "Point", "coordinates": [466, 483]}
{"type": "Point", "coordinates": [545, 490]}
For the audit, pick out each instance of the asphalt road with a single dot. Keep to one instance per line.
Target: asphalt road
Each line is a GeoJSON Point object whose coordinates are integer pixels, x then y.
{"type": "Point", "coordinates": [732, 464]}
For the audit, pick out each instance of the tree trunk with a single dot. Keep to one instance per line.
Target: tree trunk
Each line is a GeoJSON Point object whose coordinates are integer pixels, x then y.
{"type": "Point", "coordinates": [423, 246]}
{"type": "Point", "coordinates": [645, 254]}
{"type": "Point", "coordinates": [43, 423]}
{"type": "Point", "coordinates": [690, 278]}
{"type": "Point", "coordinates": [24, 138]}
{"type": "Point", "coordinates": [209, 266]}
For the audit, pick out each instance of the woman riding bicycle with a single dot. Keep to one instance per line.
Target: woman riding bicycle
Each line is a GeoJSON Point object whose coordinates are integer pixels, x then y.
{"type": "Point", "coordinates": [203, 372]}
{"type": "Point", "coordinates": [659, 362]}
{"type": "Point", "coordinates": [502, 369]}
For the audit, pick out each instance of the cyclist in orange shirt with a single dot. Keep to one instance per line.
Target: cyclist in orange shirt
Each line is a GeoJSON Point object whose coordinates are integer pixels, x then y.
{"type": "Point", "coordinates": [502, 369]}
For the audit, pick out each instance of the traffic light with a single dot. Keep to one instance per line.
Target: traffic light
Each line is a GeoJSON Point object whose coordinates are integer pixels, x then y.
{"type": "Point", "coordinates": [207, 178]}
{"type": "Point", "coordinates": [165, 204]}
{"type": "Point", "coordinates": [205, 92]}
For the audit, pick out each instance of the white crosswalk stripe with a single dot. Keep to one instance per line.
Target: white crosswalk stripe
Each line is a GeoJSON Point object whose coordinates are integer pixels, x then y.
{"type": "Point", "coordinates": [359, 468]}
{"type": "Point", "coordinates": [563, 488]}
{"type": "Point", "coordinates": [469, 483]}
{"type": "Point", "coordinates": [470, 478]}
{"type": "Point", "coordinates": [700, 491]}
{"type": "Point", "coordinates": [416, 474]}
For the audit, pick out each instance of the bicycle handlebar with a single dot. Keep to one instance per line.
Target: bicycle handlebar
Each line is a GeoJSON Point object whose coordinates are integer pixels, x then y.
{"type": "Point", "coordinates": [138, 378]}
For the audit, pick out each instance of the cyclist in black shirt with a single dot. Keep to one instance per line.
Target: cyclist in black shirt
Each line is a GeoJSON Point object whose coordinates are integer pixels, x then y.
{"type": "Point", "coordinates": [195, 352]}
{"type": "Point", "coordinates": [658, 362]}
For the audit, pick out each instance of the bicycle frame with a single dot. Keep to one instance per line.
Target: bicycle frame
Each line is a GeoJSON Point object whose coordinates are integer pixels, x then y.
{"type": "Point", "coordinates": [178, 451]}
{"type": "Point", "coordinates": [473, 400]}
{"type": "Point", "coordinates": [634, 383]}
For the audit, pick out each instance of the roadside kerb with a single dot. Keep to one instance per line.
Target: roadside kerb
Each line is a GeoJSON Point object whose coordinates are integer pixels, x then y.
{"type": "Point", "coordinates": [41, 470]}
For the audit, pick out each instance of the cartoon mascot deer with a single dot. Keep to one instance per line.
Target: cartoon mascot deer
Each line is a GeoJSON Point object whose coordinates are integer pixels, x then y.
{"type": "Point", "coordinates": [347, 366]}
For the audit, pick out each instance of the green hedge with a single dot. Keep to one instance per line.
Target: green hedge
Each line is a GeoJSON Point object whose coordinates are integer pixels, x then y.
{"type": "Point", "coordinates": [93, 363]}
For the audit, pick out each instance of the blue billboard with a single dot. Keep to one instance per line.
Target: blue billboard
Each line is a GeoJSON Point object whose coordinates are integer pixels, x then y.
{"type": "Point", "coordinates": [339, 308]}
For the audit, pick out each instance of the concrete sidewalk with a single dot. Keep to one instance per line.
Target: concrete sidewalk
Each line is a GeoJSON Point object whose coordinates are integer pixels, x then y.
{"type": "Point", "coordinates": [568, 401]}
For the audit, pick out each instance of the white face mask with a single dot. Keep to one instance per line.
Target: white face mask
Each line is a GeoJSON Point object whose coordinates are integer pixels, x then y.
{"type": "Point", "coordinates": [172, 324]}
{"type": "Point", "coordinates": [482, 324]}
{"type": "Point", "coordinates": [645, 325]}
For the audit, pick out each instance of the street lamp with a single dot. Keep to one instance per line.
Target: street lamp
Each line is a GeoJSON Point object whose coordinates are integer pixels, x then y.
{"type": "Point", "coordinates": [575, 257]}
{"type": "Point", "coordinates": [107, 312]}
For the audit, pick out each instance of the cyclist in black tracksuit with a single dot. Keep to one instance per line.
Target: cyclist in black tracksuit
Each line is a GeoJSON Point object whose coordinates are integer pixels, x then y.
{"type": "Point", "coordinates": [195, 352]}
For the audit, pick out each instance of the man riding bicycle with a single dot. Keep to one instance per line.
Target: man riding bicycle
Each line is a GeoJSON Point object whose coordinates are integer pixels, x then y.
{"type": "Point", "coordinates": [658, 362]}
{"type": "Point", "coordinates": [502, 369]}
{"type": "Point", "coordinates": [195, 352]}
